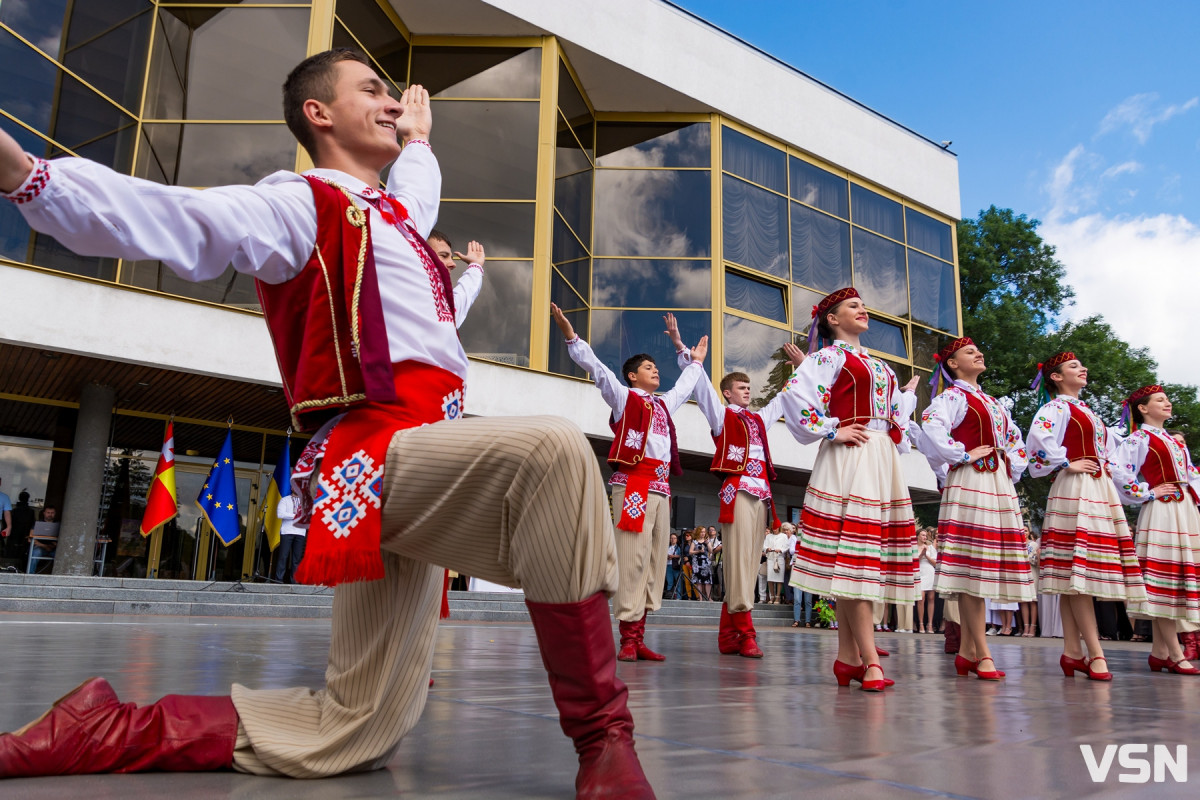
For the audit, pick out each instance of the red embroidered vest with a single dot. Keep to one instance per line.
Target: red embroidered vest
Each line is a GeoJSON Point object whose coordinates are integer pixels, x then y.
{"type": "Point", "coordinates": [852, 395]}
{"type": "Point", "coordinates": [637, 417]}
{"type": "Point", "coordinates": [1159, 466]}
{"type": "Point", "coordinates": [736, 433]}
{"type": "Point", "coordinates": [976, 429]}
{"type": "Point", "coordinates": [327, 322]}
{"type": "Point", "coordinates": [1080, 437]}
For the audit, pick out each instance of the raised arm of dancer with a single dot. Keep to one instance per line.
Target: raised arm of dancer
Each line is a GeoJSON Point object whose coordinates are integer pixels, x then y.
{"type": "Point", "coordinates": [805, 397]}
{"type": "Point", "coordinates": [691, 372]}
{"type": "Point", "coordinates": [470, 282]}
{"type": "Point", "coordinates": [612, 389]}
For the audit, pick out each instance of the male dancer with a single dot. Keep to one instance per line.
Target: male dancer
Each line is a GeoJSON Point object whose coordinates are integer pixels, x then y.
{"type": "Point", "coordinates": [471, 280]}
{"type": "Point", "coordinates": [743, 459]}
{"type": "Point", "coordinates": [362, 318]}
{"type": "Point", "coordinates": [644, 453]}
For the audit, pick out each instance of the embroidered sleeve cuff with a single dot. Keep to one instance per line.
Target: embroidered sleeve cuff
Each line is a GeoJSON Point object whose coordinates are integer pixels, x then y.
{"type": "Point", "coordinates": [38, 177]}
{"type": "Point", "coordinates": [419, 141]}
{"type": "Point", "coordinates": [832, 434]}
{"type": "Point", "coordinates": [966, 457]}
{"type": "Point", "coordinates": [572, 340]}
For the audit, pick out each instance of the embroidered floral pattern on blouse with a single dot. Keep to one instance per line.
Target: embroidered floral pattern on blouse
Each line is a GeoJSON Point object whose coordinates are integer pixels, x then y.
{"type": "Point", "coordinates": [634, 439]}
{"type": "Point", "coordinates": [658, 420]}
{"type": "Point", "coordinates": [735, 453]}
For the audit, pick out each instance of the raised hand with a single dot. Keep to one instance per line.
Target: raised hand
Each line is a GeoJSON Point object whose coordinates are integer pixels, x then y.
{"type": "Point", "coordinates": [416, 117]}
{"type": "Point", "coordinates": [564, 324]}
{"type": "Point", "coordinates": [475, 254]}
{"type": "Point", "coordinates": [911, 386]}
{"type": "Point", "coordinates": [700, 350]}
{"type": "Point", "coordinates": [15, 166]}
{"type": "Point", "coordinates": [672, 331]}
{"type": "Point", "coordinates": [795, 355]}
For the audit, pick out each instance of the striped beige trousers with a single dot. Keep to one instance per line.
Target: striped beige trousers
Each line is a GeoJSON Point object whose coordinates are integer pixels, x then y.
{"type": "Point", "coordinates": [516, 501]}
{"type": "Point", "coordinates": [641, 558]}
{"type": "Point", "coordinates": [741, 550]}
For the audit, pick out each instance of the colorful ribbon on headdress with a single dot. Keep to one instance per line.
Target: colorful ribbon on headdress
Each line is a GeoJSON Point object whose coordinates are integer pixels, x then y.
{"type": "Point", "coordinates": [827, 302]}
{"type": "Point", "coordinates": [1127, 422]}
{"type": "Point", "coordinates": [941, 377]}
{"type": "Point", "coordinates": [1040, 383]}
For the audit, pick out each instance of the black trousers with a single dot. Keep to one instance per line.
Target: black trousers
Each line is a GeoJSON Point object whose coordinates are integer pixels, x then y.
{"type": "Point", "coordinates": [287, 557]}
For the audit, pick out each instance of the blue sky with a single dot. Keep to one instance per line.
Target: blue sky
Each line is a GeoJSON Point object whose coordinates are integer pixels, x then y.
{"type": "Point", "coordinates": [1085, 115]}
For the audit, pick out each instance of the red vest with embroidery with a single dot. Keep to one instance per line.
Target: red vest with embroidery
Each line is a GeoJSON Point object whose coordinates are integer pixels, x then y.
{"type": "Point", "coordinates": [637, 418]}
{"type": "Point", "coordinates": [1159, 466]}
{"type": "Point", "coordinates": [852, 396]}
{"type": "Point", "coordinates": [327, 322]}
{"type": "Point", "coordinates": [1080, 437]}
{"type": "Point", "coordinates": [736, 434]}
{"type": "Point", "coordinates": [976, 429]}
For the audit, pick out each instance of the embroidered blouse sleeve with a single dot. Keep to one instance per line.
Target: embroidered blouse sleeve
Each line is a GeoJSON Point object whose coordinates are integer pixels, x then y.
{"type": "Point", "coordinates": [466, 291]}
{"type": "Point", "coordinates": [415, 179]}
{"type": "Point", "coordinates": [941, 416]}
{"type": "Point", "coordinates": [901, 407]}
{"type": "Point", "coordinates": [611, 389]}
{"type": "Point", "coordinates": [1045, 447]}
{"type": "Point", "coordinates": [805, 397]}
{"type": "Point", "coordinates": [1014, 448]}
{"type": "Point", "coordinates": [267, 230]}
{"type": "Point", "coordinates": [710, 402]}
{"type": "Point", "coordinates": [771, 413]}
{"type": "Point", "coordinates": [1125, 471]}
{"type": "Point", "coordinates": [683, 388]}
{"type": "Point", "coordinates": [1193, 474]}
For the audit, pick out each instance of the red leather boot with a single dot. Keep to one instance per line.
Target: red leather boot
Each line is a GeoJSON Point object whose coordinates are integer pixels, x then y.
{"type": "Point", "coordinates": [90, 731]}
{"type": "Point", "coordinates": [748, 646]}
{"type": "Point", "coordinates": [577, 651]}
{"type": "Point", "coordinates": [1191, 642]}
{"type": "Point", "coordinates": [729, 638]}
{"type": "Point", "coordinates": [629, 641]}
{"type": "Point", "coordinates": [953, 636]}
{"type": "Point", "coordinates": [645, 653]}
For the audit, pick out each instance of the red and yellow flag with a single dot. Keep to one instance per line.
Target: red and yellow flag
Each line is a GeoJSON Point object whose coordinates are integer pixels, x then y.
{"type": "Point", "coordinates": [162, 505]}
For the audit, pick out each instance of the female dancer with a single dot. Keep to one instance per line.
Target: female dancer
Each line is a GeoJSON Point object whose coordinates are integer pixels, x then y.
{"type": "Point", "coordinates": [858, 541]}
{"type": "Point", "coordinates": [1168, 542]}
{"type": "Point", "coordinates": [979, 525]}
{"type": "Point", "coordinates": [1086, 547]}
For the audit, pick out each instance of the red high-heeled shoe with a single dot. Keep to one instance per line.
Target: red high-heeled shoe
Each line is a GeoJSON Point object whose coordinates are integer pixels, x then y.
{"type": "Point", "coordinates": [876, 685]}
{"type": "Point", "coordinates": [984, 674]}
{"type": "Point", "coordinates": [879, 651]}
{"type": "Point", "coordinates": [846, 672]}
{"type": "Point", "coordinates": [1098, 676]}
{"type": "Point", "coordinates": [1072, 665]}
{"type": "Point", "coordinates": [1159, 664]}
{"type": "Point", "coordinates": [963, 666]}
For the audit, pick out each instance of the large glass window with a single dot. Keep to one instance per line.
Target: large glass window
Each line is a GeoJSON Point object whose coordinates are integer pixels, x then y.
{"type": "Point", "coordinates": [363, 25]}
{"type": "Point", "coordinates": [885, 336]}
{"type": "Point", "coordinates": [497, 327]}
{"type": "Point", "coordinates": [505, 229]}
{"type": "Point", "coordinates": [877, 213]}
{"type": "Point", "coordinates": [934, 300]}
{"type": "Point", "coordinates": [755, 297]}
{"type": "Point", "coordinates": [650, 283]}
{"type": "Point", "coordinates": [928, 234]}
{"type": "Point", "coordinates": [879, 273]}
{"type": "Point", "coordinates": [478, 71]}
{"type": "Point", "coordinates": [506, 167]}
{"type": "Point", "coordinates": [656, 212]}
{"type": "Point", "coordinates": [653, 144]}
{"type": "Point", "coordinates": [753, 160]}
{"type": "Point", "coordinates": [213, 154]}
{"type": "Point", "coordinates": [755, 226]}
{"type": "Point", "coordinates": [817, 187]}
{"type": "Point", "coordinates": [755, 349]}
{"type": "Point", "coordinates": [820, 250]}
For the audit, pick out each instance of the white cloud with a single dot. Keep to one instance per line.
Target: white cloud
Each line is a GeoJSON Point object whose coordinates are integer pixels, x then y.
{"type": "Point", "coordinates": [1129, 167]}
{"type": "Point", "coordinates": [1137, 113]}
{"type": "Point", "coordinates": [1139, 272]}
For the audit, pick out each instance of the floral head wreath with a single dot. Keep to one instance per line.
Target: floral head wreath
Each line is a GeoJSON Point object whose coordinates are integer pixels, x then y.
{"type": "Point", "coordinates": [823, 307]}
{"type": "Point", "coordinates": [1127, 407]}
{"type": "Point", "coordinates": [940, 378]}
{"type": "Point", "coordinates": [1042, 378]}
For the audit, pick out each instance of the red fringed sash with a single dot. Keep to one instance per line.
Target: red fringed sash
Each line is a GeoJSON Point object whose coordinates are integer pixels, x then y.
{"type": "Point", "coordinates": [729, 490]}
{"type": "Point", "coordinates": [637, 491]}
{"type": "Point", "coordinates": [345, 519]}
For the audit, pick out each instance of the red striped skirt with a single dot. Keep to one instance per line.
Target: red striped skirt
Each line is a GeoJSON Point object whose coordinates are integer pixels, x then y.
{"type": "Point", "coordinates": [982, 551]}
{"type": "Point", "coordinates": [857, 535]}
{"type": "Point", "coordinates": [1086, 546]}
{"type": "Point", "coordinates": [1168, 548]}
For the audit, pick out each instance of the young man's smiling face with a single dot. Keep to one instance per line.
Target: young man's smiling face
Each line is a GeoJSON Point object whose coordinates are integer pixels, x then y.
{"type": "Point", "coordinates": [363, 114]}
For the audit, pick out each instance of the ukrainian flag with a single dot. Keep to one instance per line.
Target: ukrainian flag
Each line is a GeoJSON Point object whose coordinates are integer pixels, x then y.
{"type": "Point", "coordinates": [280, 487]}
{"type": "Point", "coordinates": [218, 498]}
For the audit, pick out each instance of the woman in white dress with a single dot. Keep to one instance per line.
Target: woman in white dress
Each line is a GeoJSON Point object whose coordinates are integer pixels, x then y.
{"type": "Point", "coordinates": [775, 545]}
{"type": "Point", "coordinates": [927, 555]}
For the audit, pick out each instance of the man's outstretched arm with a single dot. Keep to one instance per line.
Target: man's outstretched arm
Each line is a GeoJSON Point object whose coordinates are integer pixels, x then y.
{"type": "Point", "coordinates": [267, 230]}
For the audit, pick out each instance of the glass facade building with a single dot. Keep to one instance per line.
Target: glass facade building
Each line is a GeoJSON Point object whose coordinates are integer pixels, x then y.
{"type": "Point", "coordinates": [617, 215]}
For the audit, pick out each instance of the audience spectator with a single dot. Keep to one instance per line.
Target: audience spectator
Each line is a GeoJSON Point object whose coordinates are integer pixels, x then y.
{"type": "Point", "coordinates": [23, 516]}
{"type": "Point", "coordinates": [701, 553]}
{"type": "Point", "coordinates": [718, 563]}
{"type": "Point", "coordinates": [927, 558]}
{"type": "Point", "coordinates": [789, 593]}
{"type": "Point", "coordinates": [1029, 611]}
{"type": "Point", "coordinates": [673, 570]}
{"type": "Point", "coordinates": [43, 548]}
{"type": "Point", "coordinates": [292, 540]}
{"type": "Point", "coordinates": [5, 513]}
{"type": "Point", "coordinates": [775, 546]}
{"type": "Point", "coordinates": [688, 588]}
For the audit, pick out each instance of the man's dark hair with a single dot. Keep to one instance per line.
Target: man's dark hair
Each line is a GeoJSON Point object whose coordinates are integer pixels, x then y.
{"type": "Point", "coordinates": [633, 364]}
{"type": "Point", "coordinates": [436, 234]}
{"type": "Point", "coordinates": [732, 378]}
{"type": "Point", "coordinates": [313, 79]}
{"type": "Point", "coordinates": [23, 497]}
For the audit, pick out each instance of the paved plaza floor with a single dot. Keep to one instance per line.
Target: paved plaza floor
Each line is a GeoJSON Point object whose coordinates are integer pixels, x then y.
{"type": "Point", "coordinates": [708, 726]}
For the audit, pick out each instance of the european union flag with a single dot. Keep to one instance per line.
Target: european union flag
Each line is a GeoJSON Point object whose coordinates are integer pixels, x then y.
{"type": "Point", "coordinates": [218, 498]}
